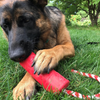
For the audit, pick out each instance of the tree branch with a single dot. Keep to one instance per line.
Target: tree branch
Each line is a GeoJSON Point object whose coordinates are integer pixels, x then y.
{"type": "Point", "coordinates": [98, 10]}
{"type": "Point", "coordinates": [83, 9]}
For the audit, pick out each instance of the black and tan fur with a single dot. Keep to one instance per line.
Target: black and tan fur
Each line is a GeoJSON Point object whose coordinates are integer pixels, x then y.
{"type": "Point", "coordinates": [29, 25]}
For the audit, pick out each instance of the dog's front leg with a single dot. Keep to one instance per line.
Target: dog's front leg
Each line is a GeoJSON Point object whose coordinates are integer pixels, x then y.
{"type": "Point", "coordinates": [25, 88]}
{"type": "Point", "coordinates": [47, 59]}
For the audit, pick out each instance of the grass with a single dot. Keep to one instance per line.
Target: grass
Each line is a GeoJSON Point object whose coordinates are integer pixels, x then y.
{"type": "Point", "coordinates": [87, 59]}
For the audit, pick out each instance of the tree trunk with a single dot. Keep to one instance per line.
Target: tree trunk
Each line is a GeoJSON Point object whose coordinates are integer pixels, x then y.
{"type": "Point", "coordinates": [93, 16]}
{"type": "Point", "coordinates": [93, 12]}
{"type": "Point", "coordinates": [94, 21]}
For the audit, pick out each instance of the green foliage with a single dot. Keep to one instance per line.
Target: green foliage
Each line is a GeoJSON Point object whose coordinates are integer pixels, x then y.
{"type": "Point", "coordinates": [69, 7]}
{"type": "Point", "coordinates": [77, 20]}
{"type": "Point", "coordinates": [94, 2]}
{"type": "Point", "coordinates": [75, 17]}
{"type": "Point", "coordinates": [68, 22]}
{"type": "Point", "coordinates": [82, 13]}
{"type": "Point", "coordinates": [99, 20]}
{"type": "Point", "coordinates": [50, 3]}
{"type": "Point", "coordinates": [87, 23]}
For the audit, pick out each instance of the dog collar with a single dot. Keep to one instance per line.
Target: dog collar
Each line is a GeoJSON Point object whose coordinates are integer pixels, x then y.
{"type": "Point", "coordinates": [47, 40]}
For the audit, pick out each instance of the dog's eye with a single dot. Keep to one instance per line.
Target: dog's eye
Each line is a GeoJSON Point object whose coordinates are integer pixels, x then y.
{"type": "Point", "coordinates": [5, 26]}
{"type": "Point", "coordinates": [26, 20]}
{"type": "Point", "coordinates": [23, 19]}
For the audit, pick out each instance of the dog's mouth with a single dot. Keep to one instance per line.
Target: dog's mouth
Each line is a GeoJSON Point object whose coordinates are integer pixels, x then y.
{"type": "Point", "coordinates": [18, 52]}
{"type": "Point", "coordinates": [20, 59]}
{"type": "Point", "coordinates": [19, 55]}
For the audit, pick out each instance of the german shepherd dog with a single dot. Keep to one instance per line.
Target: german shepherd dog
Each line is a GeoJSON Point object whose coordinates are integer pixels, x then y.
{"type": "Point", "coordinates": [31, 26]}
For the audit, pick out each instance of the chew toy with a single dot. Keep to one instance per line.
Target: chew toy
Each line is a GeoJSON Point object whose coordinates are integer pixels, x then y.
{"type": "Point", "coordinates": [52, 81]}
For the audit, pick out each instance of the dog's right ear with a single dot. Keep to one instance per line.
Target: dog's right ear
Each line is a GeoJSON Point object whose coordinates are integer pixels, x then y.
{"type": "Point", "coordinates": [41, 3]}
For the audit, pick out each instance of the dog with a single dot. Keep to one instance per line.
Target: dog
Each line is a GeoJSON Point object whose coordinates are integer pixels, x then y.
{"type": "Point", "coordinates": [29, 26]}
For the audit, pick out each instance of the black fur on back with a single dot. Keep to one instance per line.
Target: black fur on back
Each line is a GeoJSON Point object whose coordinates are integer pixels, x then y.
{"type": "Point", "coordinates": [54, 15]}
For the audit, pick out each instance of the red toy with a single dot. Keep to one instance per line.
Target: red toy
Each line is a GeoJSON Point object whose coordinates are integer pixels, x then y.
{"type": "Point", "coordinates": [52, 81]}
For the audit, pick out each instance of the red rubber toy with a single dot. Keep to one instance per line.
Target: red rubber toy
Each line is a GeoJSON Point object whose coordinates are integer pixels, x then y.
{"type": "Point", "coordinates": [52, 81]}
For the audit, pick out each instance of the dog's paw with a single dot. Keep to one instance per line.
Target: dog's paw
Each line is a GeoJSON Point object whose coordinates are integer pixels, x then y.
{"type": "Point", "coordinates": [44, 61]}
{"type": "Point", "coordinates": [24, 90]}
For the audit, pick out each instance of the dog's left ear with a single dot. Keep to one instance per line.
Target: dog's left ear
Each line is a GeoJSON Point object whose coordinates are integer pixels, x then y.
{"type": "Point", "coordinates": [41, 3]}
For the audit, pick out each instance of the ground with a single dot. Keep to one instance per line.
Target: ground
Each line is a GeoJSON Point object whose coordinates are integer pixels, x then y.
{"type": "Point", "coordinates": [87, 59]}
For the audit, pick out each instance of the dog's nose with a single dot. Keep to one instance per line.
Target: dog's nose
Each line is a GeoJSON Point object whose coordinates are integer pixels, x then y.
{"type": "Point", "coordinates": [18, 56]}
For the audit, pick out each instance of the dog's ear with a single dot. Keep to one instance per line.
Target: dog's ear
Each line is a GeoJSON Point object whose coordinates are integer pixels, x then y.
{"type": "Point", "coordinates": [41, 3]}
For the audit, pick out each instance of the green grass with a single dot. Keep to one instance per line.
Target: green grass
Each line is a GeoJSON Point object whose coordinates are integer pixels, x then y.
{"type": "Point", "coordinates": [87, 59]}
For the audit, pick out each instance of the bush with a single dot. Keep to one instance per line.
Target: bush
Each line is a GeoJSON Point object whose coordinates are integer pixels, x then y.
{"type": "Point", "coordinates": [77, 20]}
{"type": "Point", "coordinates": [82, 13]}
{"type": "Point", "coordinates": [68, 23]}
{"type": "Point", "coordinates": [99, 20]}
{"type": "Point", "coordinates": [87, 23]}
{"type": "Point", "coordinates": [75, 17]}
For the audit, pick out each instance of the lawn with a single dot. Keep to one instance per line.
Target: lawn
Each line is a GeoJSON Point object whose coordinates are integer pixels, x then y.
{"type": "Point", "coordinates": [87, 59]}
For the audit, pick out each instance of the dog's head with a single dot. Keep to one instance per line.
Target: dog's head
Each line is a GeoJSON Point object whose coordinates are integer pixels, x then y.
{"type": "Point", "coordinates": [19, 18]}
